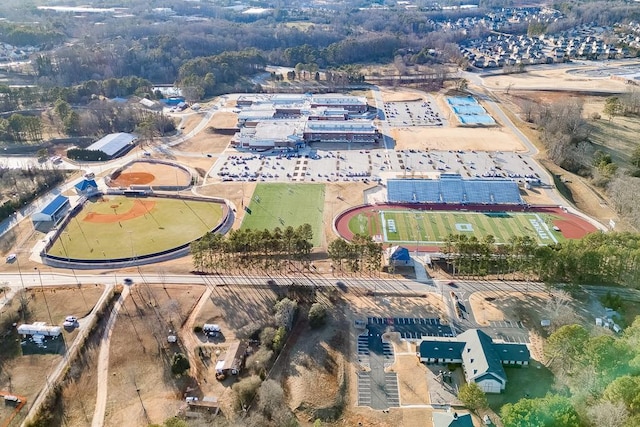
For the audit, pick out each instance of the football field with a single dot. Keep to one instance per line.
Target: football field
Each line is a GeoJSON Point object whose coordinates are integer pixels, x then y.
{"type": "Point", "coordinates": [433, 227]}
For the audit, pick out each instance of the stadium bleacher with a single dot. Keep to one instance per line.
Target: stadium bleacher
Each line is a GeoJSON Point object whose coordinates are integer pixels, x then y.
{"type": "Point", "coordinates": [454, 189]}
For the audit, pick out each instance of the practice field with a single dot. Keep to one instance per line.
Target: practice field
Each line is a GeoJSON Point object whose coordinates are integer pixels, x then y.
{"type": "Point", "coordinates": [123, 227]}
{"type": "Point", "coordinates": [431, 228]}
{"type": "Point", "coordinates": [283, 205]}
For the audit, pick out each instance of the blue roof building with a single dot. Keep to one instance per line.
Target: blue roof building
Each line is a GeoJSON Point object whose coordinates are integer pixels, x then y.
{"type": "Point", "coordinates": [53, 211]}
{"type": "Point", "coordinates": [86, 187]}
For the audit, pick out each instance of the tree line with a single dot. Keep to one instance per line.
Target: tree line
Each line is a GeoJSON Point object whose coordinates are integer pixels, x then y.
{"type": "Point", "coordinates": [22, 186]}
{"type": "Point", "coordinates": [598, 258]}
{"type": "Point", "coordinates": [257, 250]}
{"type": "Point", "coordinates": [21, 128]}
{"type": "Point", "coordinates": [360, 255]}
{"type": "Point", "coordinates": [597, 378]}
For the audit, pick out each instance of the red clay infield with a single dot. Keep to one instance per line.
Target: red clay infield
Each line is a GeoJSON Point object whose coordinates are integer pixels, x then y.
{"type": "Point", "coordinates": [133, 178]}
{"type": "Point", "coordinates": [139, 208]}
{"type": "Point", "coordinates": [571, 226]}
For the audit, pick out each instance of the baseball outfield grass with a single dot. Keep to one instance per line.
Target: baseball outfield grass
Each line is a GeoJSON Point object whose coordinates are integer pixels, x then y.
{"type": "Point", "coordinates": [283, 205]}
{"type": "Point", "coordinates": [122, 227]}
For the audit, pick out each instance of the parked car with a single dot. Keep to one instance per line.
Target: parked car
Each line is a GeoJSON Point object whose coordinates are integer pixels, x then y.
{"type": "Point", "coordinates": [11, 258]}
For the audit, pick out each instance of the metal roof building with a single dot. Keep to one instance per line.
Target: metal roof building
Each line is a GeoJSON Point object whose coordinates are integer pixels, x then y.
{"type": "Point", "coordinates": [113, 144]}
{"type": "Point", "coordinates": [53, 210]}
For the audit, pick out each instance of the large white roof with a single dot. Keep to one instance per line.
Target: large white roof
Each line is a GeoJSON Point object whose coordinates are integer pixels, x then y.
{"type": "Point", "coordinates": [112, 143]}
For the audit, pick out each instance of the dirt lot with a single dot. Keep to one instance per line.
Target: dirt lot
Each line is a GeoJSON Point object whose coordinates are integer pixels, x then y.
{"type": "Point", "coordinates": [455, 138]}
{"type": "Point", "coordinates": [146, 173]}
{"type": "Point", "coordinates": [26, 374]}
{"type": "Point", "coordinates": [551, 79]}
{"type": "Point", "coordinates": [207, 140]}
{"type": "Point", "coordinates": [141, 387]}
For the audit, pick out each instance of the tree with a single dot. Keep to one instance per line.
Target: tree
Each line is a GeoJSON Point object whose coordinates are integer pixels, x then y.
{"type": "Point", "coordinates": [608, 414]}
{"type": "Point", "coordinates": [279, 339]}
{"type": "Point", "coordinates": [246, 389]}
{"type": "Point", "coordinates": [625, 389]}
{"type": "Point", "coordinates": [635, 157]}
{"type": "Point", "coordinates": [179, 364]}
{"type": "Point", "coordinates": [564, 346]}
{"type": "Point", "coordinates": [270, 398]}
{"type": "Point", "coordinates": [612, 107]}
{"type": "Point", "coordinates": [285, 312]}
{"type": "Point", "coordinates": [549, 411]}
{"type": "Point", "coordinates": [317, 315]}
{"type": "Point", "coordinates": [472, 396]}
{"type": "Point", "coordinates": [258, 361]}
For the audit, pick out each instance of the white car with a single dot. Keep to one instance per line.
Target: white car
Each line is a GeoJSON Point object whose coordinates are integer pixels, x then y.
{"type": "Point", "coordinates": [12, 257]}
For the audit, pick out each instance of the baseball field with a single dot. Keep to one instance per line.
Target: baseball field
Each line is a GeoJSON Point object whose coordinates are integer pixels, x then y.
{"type": "Point", "coordinates": [433, 227]}
{"type": "Point", "coordinates": [121, 227]}
{"type": "Point", "coordinates": [283, 205]}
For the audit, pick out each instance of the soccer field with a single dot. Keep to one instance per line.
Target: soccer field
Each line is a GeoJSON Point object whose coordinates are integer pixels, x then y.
{"type": "Point", "coordinates": [433, 227]}
{"type": "Point", "coordinates": [283, 205]}
{"type": "Point", "coordinates": [114, 227]}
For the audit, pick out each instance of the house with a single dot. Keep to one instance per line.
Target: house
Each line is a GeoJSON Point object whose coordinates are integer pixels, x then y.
{"type": "Point", "coordinates": [482, 360]}
{"type": "Point", "coordinates": [451, 419]}
{"type": "Point", "coordinates": [233, 359]}
{"type": "Point", "coordinates": [114, 144]}
{"type": "Point", "coordinates": [86, 187]}
{"type": "Point", "coordinates": [53, 211]}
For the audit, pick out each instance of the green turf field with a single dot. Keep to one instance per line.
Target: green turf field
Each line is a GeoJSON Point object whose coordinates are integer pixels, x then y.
{"type": "Point", "coordinates": [167, 224]}
{"type": "Point", "coordinates": [283, 205]}
{"type": "Point", "coordinates": [432, 227]}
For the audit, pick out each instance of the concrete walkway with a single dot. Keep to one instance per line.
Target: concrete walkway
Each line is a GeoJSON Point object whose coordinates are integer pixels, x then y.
{"type": "Point", "coordinates": [421, 273]}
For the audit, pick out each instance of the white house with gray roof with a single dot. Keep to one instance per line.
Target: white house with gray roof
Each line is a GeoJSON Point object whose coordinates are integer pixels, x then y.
{"type": "Point", "coordinates": [482, 360]}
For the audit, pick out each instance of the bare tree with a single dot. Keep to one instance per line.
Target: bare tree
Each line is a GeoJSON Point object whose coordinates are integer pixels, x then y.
{"type": "Point", "coordinates": [608, 414]}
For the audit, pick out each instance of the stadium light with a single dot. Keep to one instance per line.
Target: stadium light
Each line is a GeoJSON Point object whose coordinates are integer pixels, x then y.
{"type": "Point", "coordinates": [43, 295]}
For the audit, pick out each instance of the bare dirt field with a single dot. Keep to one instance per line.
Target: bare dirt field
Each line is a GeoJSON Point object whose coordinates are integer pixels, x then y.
{"type": "Point", "coordinates": [147, 173]}
{"type": "Point", "coordinates": [208, 140]}
{"type": "Point", "coordinates": [141, 389]}
{"type": "Point", "coordinates": [552, 79]}
{"type": "Point", "coordinates": [455, 138]}
{"type": "Point", "coordinates": [390, 94]}
{"type": "Point", "coordinates": [26, 374]}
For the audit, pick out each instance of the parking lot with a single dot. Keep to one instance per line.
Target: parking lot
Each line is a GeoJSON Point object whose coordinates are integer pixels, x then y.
{"type": "Point", "coordinates": [316, 165]}
{"type": "Point", "coordinates": [413, 113]}
{"type": "Point", "coordinates": [378, 393]}
{"type": "Point", "coordinates": [409, 328]}
{"type": "Point", "coordinates": [508, 331]}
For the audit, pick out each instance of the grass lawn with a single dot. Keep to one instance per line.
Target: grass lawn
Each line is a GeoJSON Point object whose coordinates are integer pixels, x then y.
{"type": "Point", "coordinates": [121, 227]}
{"type": "Point", "coordinates": [432, 227]}
{"type": "Point", "coordinates": [283, 205]}
{"type": "Point", "coordinates": [523, 383]}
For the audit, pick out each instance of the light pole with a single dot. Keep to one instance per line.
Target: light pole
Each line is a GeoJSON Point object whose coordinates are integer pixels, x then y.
{"type": "Point", "coordinates": [23, 297]}
{"type": "Point", "coordinates": [43, 295]}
